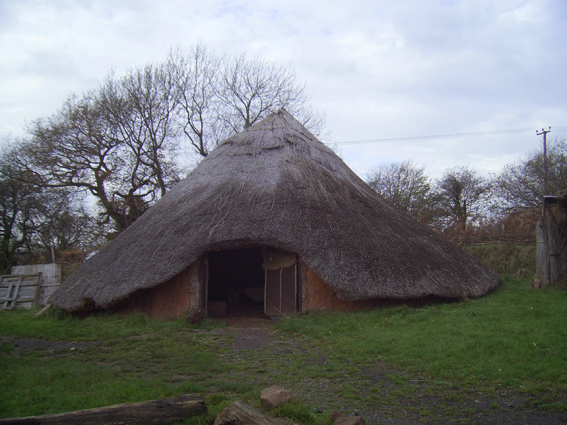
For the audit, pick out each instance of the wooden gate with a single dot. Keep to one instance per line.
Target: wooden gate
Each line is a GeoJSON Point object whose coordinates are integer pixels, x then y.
{"type": "Point", "coordinates": [19, 291]}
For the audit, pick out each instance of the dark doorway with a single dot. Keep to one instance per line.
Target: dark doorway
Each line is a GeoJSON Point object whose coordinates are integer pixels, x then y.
{"type": "Point", "coordinates": [236, 283]}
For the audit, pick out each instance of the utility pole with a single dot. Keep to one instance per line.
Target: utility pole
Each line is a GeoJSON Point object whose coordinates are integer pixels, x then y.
{"type": "Point", "coordinates": [544, 133]}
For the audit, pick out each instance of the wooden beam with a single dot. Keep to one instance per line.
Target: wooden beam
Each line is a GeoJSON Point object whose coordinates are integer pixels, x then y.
{"type": "Point", "coordinates": [155, 412]}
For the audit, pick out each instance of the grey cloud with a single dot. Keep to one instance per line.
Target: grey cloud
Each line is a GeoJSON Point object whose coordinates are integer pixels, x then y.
{"type": "Point", "coordinates": [376, 68]}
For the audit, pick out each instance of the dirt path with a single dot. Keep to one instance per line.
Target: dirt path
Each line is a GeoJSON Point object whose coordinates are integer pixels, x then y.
{"type": "Point", "coordinates": [23, 344]}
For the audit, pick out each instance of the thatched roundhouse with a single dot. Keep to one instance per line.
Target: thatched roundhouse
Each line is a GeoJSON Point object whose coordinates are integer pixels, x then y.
{"type": "Point", "coordinates": [274, 220]}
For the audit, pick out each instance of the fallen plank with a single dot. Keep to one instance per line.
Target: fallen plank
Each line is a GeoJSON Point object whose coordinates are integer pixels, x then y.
{"type": "Point", "coordinates": [167, 411]}
{"type": "Point", "coordinates": [43, 310]}
{"type": "Point", "coordinates": [239, 413]}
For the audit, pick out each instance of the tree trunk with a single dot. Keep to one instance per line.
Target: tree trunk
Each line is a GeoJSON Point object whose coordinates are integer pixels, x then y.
{"type": "Point", "coordinates": [159, 412]}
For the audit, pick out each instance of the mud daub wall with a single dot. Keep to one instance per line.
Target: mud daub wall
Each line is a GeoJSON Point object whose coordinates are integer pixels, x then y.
{"type": "Point", "coordinates": [170, 300]}
{"type": "Point", "coordinates": [317, 295]}
{"type": "Point", "coordinates": [179, 297]}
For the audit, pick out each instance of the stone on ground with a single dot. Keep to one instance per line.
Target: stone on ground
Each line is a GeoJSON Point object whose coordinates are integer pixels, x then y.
{"type": "Point", "coordinates": [274, 396]}
{"type": "Point", "coordinates": [337, 415]}
{"type": "Point", "coordinates": [350, 420]}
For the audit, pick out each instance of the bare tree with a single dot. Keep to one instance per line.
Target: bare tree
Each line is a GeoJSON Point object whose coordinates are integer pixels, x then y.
{"type": "Point", "coordinates": [223, 95]}
{"type": "Point", "coordinates": [116, 143]}
{"type": "Point", "coordinates": [405, 186]}
{"type": "Point", "coordinates": [77, 148]}
{"type": "Point", "coordinates": [522, 185]}
{"type": "Point", "coordinates": [252, 88]}
{"type": "Point", "coordinates": [463, 195]}
{"type": "Point", "coordinates": [35, 218]}
{"type": "Point", "coordinates": [19, 206]}
{"type": "Point", "coordinates": [142, 107]}
{"type": "Point", "coordinates": [65, 224]}
{"type": "Point", "coordinates": [197, 78]}
{"type": "Point", "coordinates": [119, 143]}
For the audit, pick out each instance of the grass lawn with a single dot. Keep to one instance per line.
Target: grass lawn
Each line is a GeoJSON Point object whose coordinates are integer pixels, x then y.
{"type": "Point", "coordinates": [516, 336]}
{"type": "Point", "coordinates": [512, 341]}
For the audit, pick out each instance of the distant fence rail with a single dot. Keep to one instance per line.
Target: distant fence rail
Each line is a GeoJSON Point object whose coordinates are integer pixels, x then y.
{"type": "Point", "coordinates": [518, 239]}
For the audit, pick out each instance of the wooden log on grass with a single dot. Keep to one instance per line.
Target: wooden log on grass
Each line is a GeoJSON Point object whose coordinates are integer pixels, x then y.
{"type": "Point", "coordinates": [167, 411]}
{"type": "Point", "coordinates": [239, 413]}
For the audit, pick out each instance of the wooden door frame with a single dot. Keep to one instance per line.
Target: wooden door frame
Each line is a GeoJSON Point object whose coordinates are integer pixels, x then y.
{"type": "Point", "coordinates": [297, 288]}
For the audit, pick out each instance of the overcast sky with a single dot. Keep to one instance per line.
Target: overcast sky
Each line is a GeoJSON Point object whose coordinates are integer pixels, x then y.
{"type": "Point", "coordinates": [378, 69]}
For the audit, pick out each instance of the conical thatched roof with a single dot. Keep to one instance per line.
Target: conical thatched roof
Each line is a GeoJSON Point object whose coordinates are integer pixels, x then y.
{"type": "Point", "coordinates": [276, 185]}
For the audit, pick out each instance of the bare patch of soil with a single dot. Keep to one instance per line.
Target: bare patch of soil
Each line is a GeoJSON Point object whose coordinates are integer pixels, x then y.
{"type": "Point", "coordinates": [248, 332]}
{"type": "Point", "coordinates": [23, 344]}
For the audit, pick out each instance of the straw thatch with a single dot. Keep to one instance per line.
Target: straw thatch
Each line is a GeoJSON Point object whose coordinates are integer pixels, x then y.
{"type": "Point", "coordinates": [276, 185]}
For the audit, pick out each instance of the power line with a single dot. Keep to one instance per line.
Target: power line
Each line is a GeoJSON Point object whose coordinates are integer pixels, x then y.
{"type": "Point", "coordinates": [432, 137]}
{"type": "Point", "coordinates": [442, 136]}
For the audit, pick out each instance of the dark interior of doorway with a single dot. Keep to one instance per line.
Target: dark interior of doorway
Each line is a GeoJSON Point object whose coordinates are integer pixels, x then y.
{"type": "Point", "coordinates": [236, 283]}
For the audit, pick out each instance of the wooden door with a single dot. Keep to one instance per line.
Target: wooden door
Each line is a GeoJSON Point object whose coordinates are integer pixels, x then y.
{"type": "Point", "coordinates": [281, 291]}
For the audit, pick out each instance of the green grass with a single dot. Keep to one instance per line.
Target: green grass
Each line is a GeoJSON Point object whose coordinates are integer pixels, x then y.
{"type": "Point", "coordinates": [516, 336]}
{"type": "Point", "coordinates": [121, 359]}
{"type": "Point", "coordinates": [514, 339]}
{"type": "Point", "coordinates": [296, 411]}
{"type": "Point", "coordinates": [38, 385]}
{"type": "Point", "coordinates": [58, 325]}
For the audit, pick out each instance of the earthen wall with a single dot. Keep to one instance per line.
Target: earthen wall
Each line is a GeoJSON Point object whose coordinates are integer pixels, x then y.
{"type": "Point", "coordinates": [318, 295]}
{"type": "Point", "coordinates": [170, 300]}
